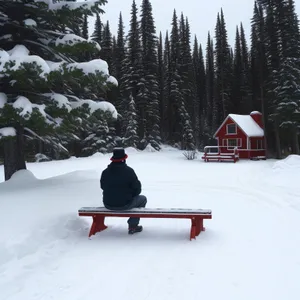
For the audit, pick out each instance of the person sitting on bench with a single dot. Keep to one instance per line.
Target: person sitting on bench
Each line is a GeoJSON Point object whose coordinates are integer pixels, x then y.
{"type": "Point", "coordinates": [121, 188]}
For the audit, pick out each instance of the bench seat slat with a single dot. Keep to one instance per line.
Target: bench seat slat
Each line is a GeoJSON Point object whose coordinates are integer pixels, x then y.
{"type": "Point", "coordinates": [141, 211]}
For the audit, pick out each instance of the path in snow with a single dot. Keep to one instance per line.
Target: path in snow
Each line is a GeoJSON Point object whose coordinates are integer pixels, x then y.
{"type": "Point", "coordinates": [250, 249]}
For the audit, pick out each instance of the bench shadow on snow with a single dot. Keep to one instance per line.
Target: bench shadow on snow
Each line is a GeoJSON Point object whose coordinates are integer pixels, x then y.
{"type": "Point", "coordinates": [150, 235]}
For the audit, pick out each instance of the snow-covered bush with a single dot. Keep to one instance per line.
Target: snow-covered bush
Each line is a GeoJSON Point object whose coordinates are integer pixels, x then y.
{"type": "Point", "coordinates": [39, 157]}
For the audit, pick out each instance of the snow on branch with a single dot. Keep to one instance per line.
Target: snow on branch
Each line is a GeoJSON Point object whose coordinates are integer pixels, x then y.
{"type": "Point", "coordinates": [3, 100]}
{"type": "Point", "coordinates": [69, 4]}
{"type": "Point", "coordinates": [91, 66]}
{"type": "Point", "coordinates": [20, 55]}
{"type": "Point", "coordinates": [30, 22]}
{"type": "Point", "coordinates": [94, 105]}
{"type": "Point", "coordinates": [7, 131]}
{"type": "Point", "coordinates": [61, 100]}
{"type": "Point", "coordinates": [72, 39]}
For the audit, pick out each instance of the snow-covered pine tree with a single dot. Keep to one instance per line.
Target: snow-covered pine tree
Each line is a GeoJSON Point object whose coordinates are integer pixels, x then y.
{"type": "Point", "coordinates": [131, 137]}
{"type": "Point", "coordinates": [98, 32]}
{"type": "Point", "coordinates": [106, 44]}
{"type": "Point", "coordinates": [247, 103]}
{"type": "Point", "coordinates": [286, 110]}
{"type": "Point", "coordinates": [120, 49]}
{"type": "Point", "coordinates": [98, 134]}
{"type": "Point", "coordinates": [211, 104]}
{"type": "Point", "coordinates": [119, 57]}
{"type": "Point", "coordinates": [196, 74]}
{"type": "Point", "coordinates": [200, 104]}
{"type": "Point", "coordinates": [180, 120]}
{"type": "Point", "coordinates": [133, 82]}
{"type": "Point", "coordinates": [259, 67]}
{"type": "Point", "coordinates": [167, 105]}
{"type": "Point", "coordinates": [85, 29]}
{"type": "Point", "coordinates": [161, 82]}
{"type": "Point", "coordinates": [186, 72]}
{"type": "Point", "coordinates": [183, 131]}
{"type": "Point", "coordinates": [150, 70]}
{"type": "Point", "coordinates": [223, 69]}
{"type": "Point", "coordinates": [237, 74]}
{"type": "Point", "coordinates": [42, 88]}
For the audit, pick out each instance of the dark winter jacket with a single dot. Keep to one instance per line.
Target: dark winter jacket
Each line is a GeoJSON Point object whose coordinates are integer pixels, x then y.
{"type": "Point", "coordinates": [119, 184]}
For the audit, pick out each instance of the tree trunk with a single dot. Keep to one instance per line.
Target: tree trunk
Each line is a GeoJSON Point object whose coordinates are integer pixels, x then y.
{"type": "Point", "coordinates": [295, 141]}
{"type": "Point", "coordinates": [263, 112]}
{"type": "Point", "coordinates": [14, 153]}
{"type": "Point", "coordinates": [277, 138]}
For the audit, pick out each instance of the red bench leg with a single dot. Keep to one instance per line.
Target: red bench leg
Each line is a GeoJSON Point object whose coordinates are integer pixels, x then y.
{"type": "Point", "coordinates": [193, 229]}
{"type": "Point", "coordinates": [196, 227]}
{"type": "Point", "coordinates": [98, 225]}
{"type": "Point", "coordinates": [199, 226]}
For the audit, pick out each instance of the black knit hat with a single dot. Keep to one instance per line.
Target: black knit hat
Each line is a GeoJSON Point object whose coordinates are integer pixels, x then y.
{"type": "Point", "coordinates": [118, 155]}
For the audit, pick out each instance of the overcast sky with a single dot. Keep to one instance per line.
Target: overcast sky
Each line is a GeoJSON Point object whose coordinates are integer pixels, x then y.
{"type": "Point", "coordinates": [202, 15]}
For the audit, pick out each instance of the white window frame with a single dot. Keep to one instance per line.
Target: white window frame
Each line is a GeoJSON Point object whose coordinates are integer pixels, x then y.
{"type": "Point", "coordinates": [238, 143]}
{"type": "Point", "coordinates": [259, 145]}
{"type": "Point", "coordinates": [232, 133]}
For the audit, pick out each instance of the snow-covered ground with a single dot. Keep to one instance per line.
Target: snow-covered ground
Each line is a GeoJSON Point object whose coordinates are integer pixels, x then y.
{"type": "Point", "coordinates": [250, 249]}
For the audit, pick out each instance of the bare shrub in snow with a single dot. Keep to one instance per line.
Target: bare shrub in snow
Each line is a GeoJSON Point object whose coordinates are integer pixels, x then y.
{"type": "Point", "coordinates": [190, 154]}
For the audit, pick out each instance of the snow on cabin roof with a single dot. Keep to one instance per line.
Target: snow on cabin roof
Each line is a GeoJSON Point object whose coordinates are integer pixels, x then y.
{"type": "Point", "coordinates": [246, 124]}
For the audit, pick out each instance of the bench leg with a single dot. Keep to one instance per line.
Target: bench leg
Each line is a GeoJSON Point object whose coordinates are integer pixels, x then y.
{"type": "Point", "coordinates": [98, 225]}
{"type": "Point", "coordinates": [193, 229]}
{"type": "Point", "coordinates": [199, 226]}
{"type": "Point", "coordinates": [196, 227]}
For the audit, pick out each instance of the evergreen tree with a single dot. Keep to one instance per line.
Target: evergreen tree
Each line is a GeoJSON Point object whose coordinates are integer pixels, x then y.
{"type": "Point", "coordinates": [259, 68]}
{"type": "Point", "coordinates": [200, 82]}
{"type": "Point", "coordinates": [237, 75]}
{"type": "Point", "coordinates": [97, 34]}
{"type": "Point", "coordinates": [174, 80]}
{"type": "Point", "coordinates": [120, 49]}
{"type": "Point", "coordinates": [191, 95]}
{"type": "Point", "coordinates": [223, 70]}
{"type": "Point", "coordinates": [286, 110]}
{"type": "Point", "coordinates": [150, 69]}
{"type": "Point", "coordinates": [201, 88]}
{"type": "Point", "coordinates": [114, 65]}
{"type": "Point", "coordinates": [211, 109]}
{"type": "Point", "coordinates": [246, 100]}
{"type": "Point", "coordinates": [85, 31]}
{"type": "Point", "coordinates": [43, 89]}
{"type": "Point", "coordinates": [167, 105]}
{"type": "Point", "coordinates": [119, 59]}
{"type": "Point", "coordinates": [131, 138]}
{"type": "Point", "coordinates": [161, 83]}
{"type": "Point", "coordinates": [179, 118]}
{"type": "Point", "coordinates": [133, 82]}
{"type": "Point", "coordinates": [106, 44]}
{"type": "Point", "coordinates": [197, 105]}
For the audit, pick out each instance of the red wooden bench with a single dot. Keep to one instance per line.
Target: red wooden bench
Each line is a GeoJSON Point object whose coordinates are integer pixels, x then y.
{"type": "Point", "coordinates": [99, 213]}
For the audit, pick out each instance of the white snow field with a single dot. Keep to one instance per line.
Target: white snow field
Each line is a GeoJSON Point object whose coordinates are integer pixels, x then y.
{"type": "Point", "coordinates": [249, 251]}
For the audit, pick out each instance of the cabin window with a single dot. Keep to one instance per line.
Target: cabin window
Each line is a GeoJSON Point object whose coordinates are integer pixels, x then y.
{"type": "Point", "coordinates": [259, 144]}
{"type": "Point", "coordinates": [231, 129]}
{"type": "Point", "coordinates": [232, 143]}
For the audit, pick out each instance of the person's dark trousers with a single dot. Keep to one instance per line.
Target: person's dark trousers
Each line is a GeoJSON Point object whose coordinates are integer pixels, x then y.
{"type": "Point", "coordinates": [138, 202]}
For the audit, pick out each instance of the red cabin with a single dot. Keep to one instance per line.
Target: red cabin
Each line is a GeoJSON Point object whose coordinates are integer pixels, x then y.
{"type": "Point", "coordinates": [243, 134]}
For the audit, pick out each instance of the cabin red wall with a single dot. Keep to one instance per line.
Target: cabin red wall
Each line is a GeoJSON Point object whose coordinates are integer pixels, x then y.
{"type": "Point", "coordinates": [257, 143]}
{"type": "Point", "coordinates": [222, 135]}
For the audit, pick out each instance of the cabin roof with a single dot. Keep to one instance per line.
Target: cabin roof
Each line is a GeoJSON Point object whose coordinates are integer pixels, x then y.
{"type": "Point", "coordinates": [246, 124]}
